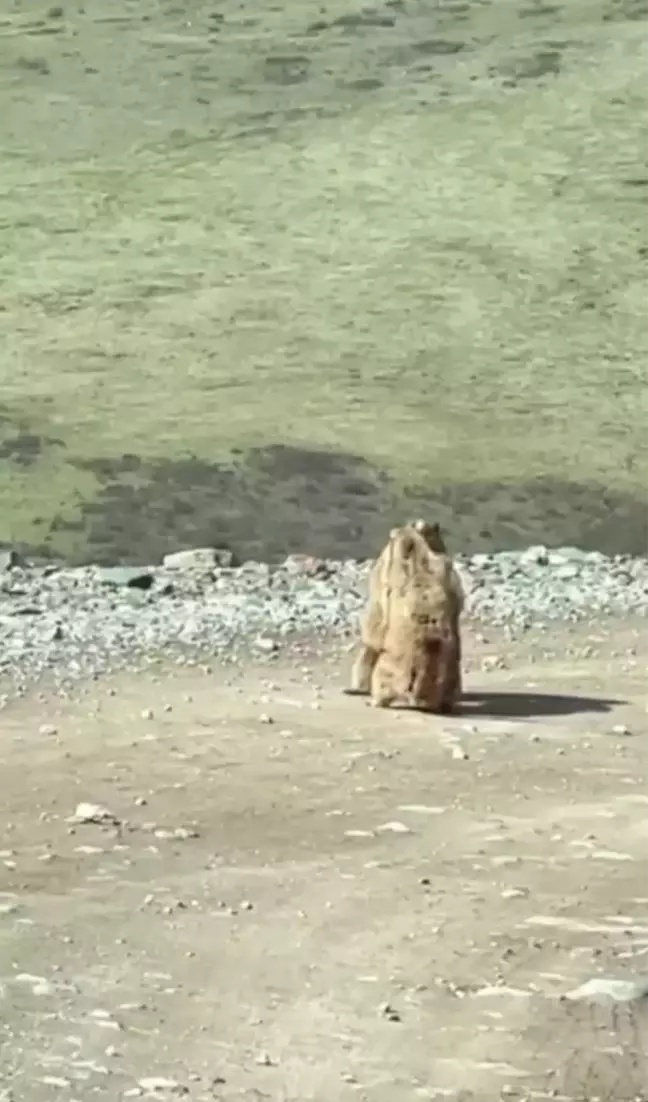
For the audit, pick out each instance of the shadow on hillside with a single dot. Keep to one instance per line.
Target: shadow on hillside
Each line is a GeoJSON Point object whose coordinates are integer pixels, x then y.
{"type": "Point", "coordinates": [279, 500]}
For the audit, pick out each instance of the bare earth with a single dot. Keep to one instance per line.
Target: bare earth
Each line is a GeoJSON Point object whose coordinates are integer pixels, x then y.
{"type": "Point", "coordinates": [378, 906]}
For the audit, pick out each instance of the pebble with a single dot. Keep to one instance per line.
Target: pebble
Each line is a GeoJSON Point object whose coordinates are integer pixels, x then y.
{"type": "Point", "coordinates": [198, 558]}
{"type": "Point", "coordinates": [92, 813]}
{"type": "Point", "coordinates": [71, 623]}
{"type": "Point", "coordinates": [459, 754]}
{"type": "Point", "coordinates": [159, 1083]}
{"type": "Point", "coordinates": [394, 828]}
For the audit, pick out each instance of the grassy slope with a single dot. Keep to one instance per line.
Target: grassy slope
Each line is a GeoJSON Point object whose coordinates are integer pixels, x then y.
{"type": "Point", "coordinates": [219, 233]}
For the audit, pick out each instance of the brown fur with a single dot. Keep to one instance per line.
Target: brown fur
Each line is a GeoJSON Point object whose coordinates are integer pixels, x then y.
{"type": "Point", "coordinates": [410, 630]}
{"type": "Point", "coordinates": [373, 621]}
{"type": "Point", "coordinates": [434, 538]}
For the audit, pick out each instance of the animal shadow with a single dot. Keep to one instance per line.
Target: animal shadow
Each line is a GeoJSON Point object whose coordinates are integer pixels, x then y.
{"type": "Point", "coordinates": [525, 705]}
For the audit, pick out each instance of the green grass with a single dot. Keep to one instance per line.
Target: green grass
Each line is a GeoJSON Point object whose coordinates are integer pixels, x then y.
{"type": "Point", "coordinates": [219, 234]}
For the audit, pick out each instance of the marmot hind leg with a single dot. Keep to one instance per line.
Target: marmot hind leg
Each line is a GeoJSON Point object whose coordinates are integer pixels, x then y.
{"type": "Point", "coordinates": [363, 669]}
{"type": "Point", "coordinates": [451, 676]}
{"type": "Point", "coordinates": [427, 692]}
{"type": "Point", "coordinates": [388, 683]}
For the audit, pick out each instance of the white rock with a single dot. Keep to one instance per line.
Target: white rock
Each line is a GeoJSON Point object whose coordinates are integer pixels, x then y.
{"type": "Point", "coordinates": [159, 1083]}
{"type": "Point", "coordinates": [196, 558]}
{"type": "Point", "coordinates": [92, 813]}
{"type": "Point", "coordinates": [536, 554]}
{"type": "Point", "coordinates": [600, 989]}
{"type": "Point", "coordinates": [39, 985]}
{"type": "Point", "coordinates": [459, 754]}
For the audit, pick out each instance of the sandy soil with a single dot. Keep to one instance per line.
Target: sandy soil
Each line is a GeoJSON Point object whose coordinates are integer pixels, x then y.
{"type": "Point", "coordinates": [300, 898]}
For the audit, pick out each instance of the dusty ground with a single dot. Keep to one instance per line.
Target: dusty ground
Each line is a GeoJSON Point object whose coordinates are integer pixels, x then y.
{"type": "Point", "coordinates": [363, 912]}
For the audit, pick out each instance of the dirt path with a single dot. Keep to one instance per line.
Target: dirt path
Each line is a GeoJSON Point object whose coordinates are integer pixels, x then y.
{"type": "Point", "coordinates": [373, 906]}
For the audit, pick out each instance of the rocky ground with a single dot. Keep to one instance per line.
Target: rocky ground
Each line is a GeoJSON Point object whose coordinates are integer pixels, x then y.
{"type": "Point", "coordinates": [225, 879]}
{"type": "Point", "coordinates": [74, 623]}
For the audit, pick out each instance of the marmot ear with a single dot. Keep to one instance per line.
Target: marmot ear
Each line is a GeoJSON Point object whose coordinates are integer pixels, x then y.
{"type": "Point", "coordinates": [393, 534]}
{"type": "Point", "coordinates": [419, 525]}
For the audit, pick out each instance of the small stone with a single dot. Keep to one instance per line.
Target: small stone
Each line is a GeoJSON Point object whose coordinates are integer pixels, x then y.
{"type": "Point", "coordinates": [39, 985]}
{"type": "Point", "coordinates": [389, 1012]}
{"type": "Point", "coordinates": [308, 565]}
{"type": "Point", "coordinates": [147, 713]}
{"type": "Point", "coordinates": [264, 718]}
{"type": "Point", "coordinates": [568, 571]}
{"type": "Point", "coordinates": [246, 905]}
{"type": "Point", "coordinates": [537, 555]}
{"type": "Point", "coordinates": [265, 1060]}
{"type": "Point", "coordinates": [126, 577]}
{"type": "Point", "coordinates": [621, 729]}
{"type": "Point", "coordinates": [394, 827]}
{"type": "Point", "coordinates": [266, 644]}
{"type": "Point", "coordinates": [159, 1083]}
{"type": "Point", "coordinates": [493, 662]}
{"type": "Point", "coordinates": [47, 730]}
{"type": "Point", "coordinates": [199, 558]}
{"type": "Point", "coordinates": [183, 833]}
{"type": "Point", "coordinates": [515, 893]}
{"type": "Point", "coordinates": [93, 813]}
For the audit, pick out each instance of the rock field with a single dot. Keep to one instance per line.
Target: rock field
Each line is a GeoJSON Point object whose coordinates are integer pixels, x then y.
{"type": "Point", "coordinates": [76, 622]}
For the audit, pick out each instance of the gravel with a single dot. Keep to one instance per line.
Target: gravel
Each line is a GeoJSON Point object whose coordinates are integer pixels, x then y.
{"type": "Point", "coordinates": [78, 622]}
